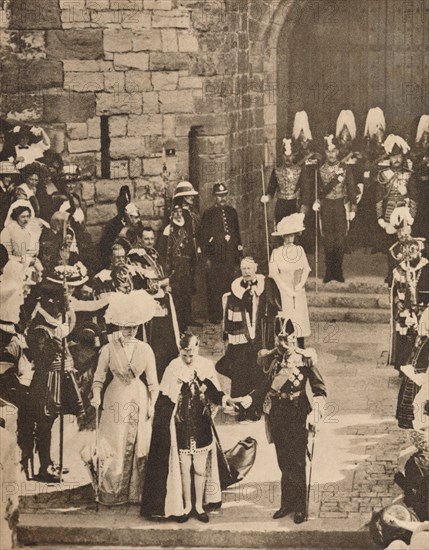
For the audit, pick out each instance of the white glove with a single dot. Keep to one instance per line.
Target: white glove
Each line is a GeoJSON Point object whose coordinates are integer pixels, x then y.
{"type": "Point", "coordinates": [382, 223]}
{"type": "Point", "coordinates": [351, 216]}
{"type": "Point", "coordinates": [265, 199]}
{"type": "Point", "coordinates": [316, 206]}
{"type": "Point", "coordinates": [246, 401]}
{"type": "Point", "coordinates": [36, 131]}
{"type": "Point", "coordinates": [367, 174]}
{"type": "Point", "coordinates": [410, 220]}
{"type": "Point", "coordinates": [319, 403]}
{"type": "Point", "coordinates": [96, 399]}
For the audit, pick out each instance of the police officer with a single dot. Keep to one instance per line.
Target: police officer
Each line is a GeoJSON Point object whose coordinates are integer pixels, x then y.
{"type": "Point", "coordinates": [286, 370]}
{"type": "Point", "coordinates": [220, 244]}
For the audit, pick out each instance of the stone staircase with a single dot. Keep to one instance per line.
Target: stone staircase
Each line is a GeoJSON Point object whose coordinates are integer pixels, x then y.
{"type": "Point", "coordinates": [360, 300]}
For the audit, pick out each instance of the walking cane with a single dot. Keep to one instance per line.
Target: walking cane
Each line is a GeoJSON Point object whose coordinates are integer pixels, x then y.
{"type": "Point", "coordinates": [316, 247]}
{"type": "Point", "coordinates": [97, 460]}
{"type": "Point", "coordinates": [267, 238]}
{"type": "Point", "coordinates": [63, 359]}
{"type": "Point", "coordinates": [310, 454]}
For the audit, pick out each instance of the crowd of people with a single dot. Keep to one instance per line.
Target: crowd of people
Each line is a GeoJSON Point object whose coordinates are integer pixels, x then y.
{"type": "Point", "coordinates": [89, 328]}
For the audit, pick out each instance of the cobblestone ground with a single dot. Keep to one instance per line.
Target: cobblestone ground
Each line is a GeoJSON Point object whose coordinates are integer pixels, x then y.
{"type": "Point", "coordinates": [356, 446]}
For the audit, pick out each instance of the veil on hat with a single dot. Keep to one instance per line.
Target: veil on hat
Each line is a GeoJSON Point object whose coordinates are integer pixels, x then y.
{"type": "Point", "coordinates": [17, 204]}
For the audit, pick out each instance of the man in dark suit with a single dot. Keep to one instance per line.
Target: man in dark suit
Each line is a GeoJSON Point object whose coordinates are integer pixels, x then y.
{"type": "Point", "coordinates": [220, 244]}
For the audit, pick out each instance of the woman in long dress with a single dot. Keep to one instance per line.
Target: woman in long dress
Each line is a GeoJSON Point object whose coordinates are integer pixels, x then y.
{"type": "Point", "coordinates": [128, 403]}
{"type": "Point", "coordinates": [183, 448]}
{"type": "Point", "coordinates": [289, 269]}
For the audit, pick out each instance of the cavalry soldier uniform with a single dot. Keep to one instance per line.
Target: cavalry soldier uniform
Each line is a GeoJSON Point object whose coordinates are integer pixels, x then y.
{"type": "Point", "coordinates": [336, 190]}
{"type": "Point", "coordinates": [395, 195]}
{"type": "Point", "coordinates": [221, 247]}
{"type": "Point", "coordinates": [420, 157]}
{"type": "Point", "coordinates": [287, 369]}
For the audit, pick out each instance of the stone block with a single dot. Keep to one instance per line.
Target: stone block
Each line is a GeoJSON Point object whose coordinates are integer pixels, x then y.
{"type": "Point", "coordinates": [57, 136]}
{"type": "Point", "coordinates": [34, 14]}
{"type": "Point", "coordinates": [68, 108]}
{"type": "Point", "coordinates": [135, 167]}
{"type": "Point", "coordinates": [136, 20]}
{"type": "Point", "coordinates": [169, 125]}
{"type": "Point", "coordinates": [138, 81]}
{"type": "Point", "coordinates": [176, 102]}
{"type": "Point", "coordinates": [108, 190]}
{"type": "Point", "coordinates": [24, 75]}
{"type": "Point", "coordinates": [132, 5]}
{"type": "Point", "coordinates": [162, 61]}
{"type": "Point", "coordinates": [23, 45]}
{"type": "Point", "coordinates": [86, 65]}
{"type": "Point", "coordinates": [118, 126]}
{"type": "Point", "coordinates": [152, 166]}
{"type": "Point", "coordinates": [88, 191]}
{"type": "Point", "coordinates": [127, 147]}
{"type": "Point", "coordinates": [193, 82]}
{"type": "Point", "coordinates": [83, 82]}
{"type": "Point", "coordinates": [145, 125]}
{"type": "Point", "coordinates": [147, 40]}
{"type": "Point", "coordinates": [119, 103]}
{"type": "Point", "coordinates": [103, 19]}
{"type": "Point", "coordinates": [187, 42]}
{"type": "Point", "coordinates": [157, 4]}
{"type": "Point", "coordinates": [27, 107]}
{"type": "Point", "coordinates": [119, 169]}
{"type": "Point", "coordinates": [131, 60]}
{"type": "Point", "coordinates": [94, 129]}
{"type": "Point", "coordinates": [100, 214]}
{"type": "Point", "coordinates": [165, 80]}
{"type": "Point", "coordinates": [84, 145]}
{"type": "Point", "coordinates": [114, 81]}
{"type": "Point", "coordinates": [146, 208]}
{"type": "Point", "coordinates": [151, 102]}
{"type": "Point", "coordinates": [169, 40]}
{"type": "Point", "coordinates": [77, 130]}
{"type": "Point", "coordinates": [75, 16]}
{"type": "Point", "coordinates": [177, 19]}
{"type": "Point", "coordinates": [117, 40]}
{"type": "Point", "coordinates": [75, 44]}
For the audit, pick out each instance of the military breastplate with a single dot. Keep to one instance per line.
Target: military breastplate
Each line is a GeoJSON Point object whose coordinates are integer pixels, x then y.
{"type": "Point", "coordinates": [327, 172]}
{"type": "Point", "coordinates": [287, 178]}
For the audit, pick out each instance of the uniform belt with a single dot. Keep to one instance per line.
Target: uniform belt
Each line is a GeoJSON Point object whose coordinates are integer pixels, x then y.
{"type": "Point", "coordinates": [289, 396]}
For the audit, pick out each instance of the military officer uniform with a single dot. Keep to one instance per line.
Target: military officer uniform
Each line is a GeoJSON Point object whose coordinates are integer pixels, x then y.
{"type": "Point", "coordinates": [286, 407]}
{"type": "Point", "coordinates": [286, 182]}
{"type": "Point", "coordinates": [220, 244]}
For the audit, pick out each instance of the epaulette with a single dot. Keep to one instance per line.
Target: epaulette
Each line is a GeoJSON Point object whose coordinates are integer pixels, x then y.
{"type": "Point", "coordinates": [308, 353]}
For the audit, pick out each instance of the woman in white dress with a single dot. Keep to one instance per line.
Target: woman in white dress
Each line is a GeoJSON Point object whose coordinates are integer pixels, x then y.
{"type": "Point", "coordinates": [289, 269]}
{"type": "Point", "coordinates": [126, 420]}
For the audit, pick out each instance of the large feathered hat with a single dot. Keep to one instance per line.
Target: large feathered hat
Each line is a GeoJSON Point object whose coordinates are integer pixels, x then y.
{"type": "Point", "coordinates": [346, 118]}
{"type": "Point", "coordinates": [422, 127]}
{"type": "Point", "coordinates": [290, 225]}
{"type": "Point", "coordinates": [133, 309]}
{"type": "Point", "coordinates": [395, 145]}
{"type": "Point", "coordinates": [301, 124]}
{"type": "Point", "coordinates": [287, 147]}
{"type": "Point", "coordinates": [374, 120]}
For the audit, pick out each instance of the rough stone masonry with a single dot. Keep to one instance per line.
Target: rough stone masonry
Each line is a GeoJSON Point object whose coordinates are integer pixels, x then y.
{"type": "Point", "coordinates": [158, 70]}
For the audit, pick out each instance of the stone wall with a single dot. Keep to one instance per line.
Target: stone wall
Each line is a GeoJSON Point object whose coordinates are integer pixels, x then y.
{"type": "Point", "coordinates": [157, 69]}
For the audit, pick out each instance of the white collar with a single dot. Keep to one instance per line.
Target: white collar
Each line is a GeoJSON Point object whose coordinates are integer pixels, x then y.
{"type": "Point", "coordinates": [239, 291]}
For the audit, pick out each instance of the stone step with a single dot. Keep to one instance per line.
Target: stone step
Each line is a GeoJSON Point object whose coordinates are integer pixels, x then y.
{"type": "Point", "coordinates": [361, 285]}
{"type": "Point", "coordinates": [348, 300]}
{"type": "Point", "coordinates": [92, 547]}
{"type": "Point", "coordinates": [99, 530]}
{"type": "Point", "coordinates": [349, 315]}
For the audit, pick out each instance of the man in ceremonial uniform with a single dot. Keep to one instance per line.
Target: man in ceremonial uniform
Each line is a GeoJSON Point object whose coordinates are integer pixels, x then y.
{"type": "Point", "coordinates": [286, 371]}
{"type": "Point", "coordinates": [162, 331]}
{"type": "Point", "coordinates": [221, 247]}
{"type": "Point", "coordinates": [336, 190]}
{"type": "Point", "coordinates": [395, 193]}
{"type": "Point", "coordinates": [288, 184]}
{"type": "Point", "coordinates": [420, 156]}
{"type": "Point", "coordinates": [375, 159]}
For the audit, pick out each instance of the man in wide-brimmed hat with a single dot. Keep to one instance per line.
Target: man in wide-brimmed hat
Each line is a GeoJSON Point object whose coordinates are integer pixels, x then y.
{"type": "Point", "coordinates": [221, 247]}
{"type": "Point", "coordinates": [282, 393]}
